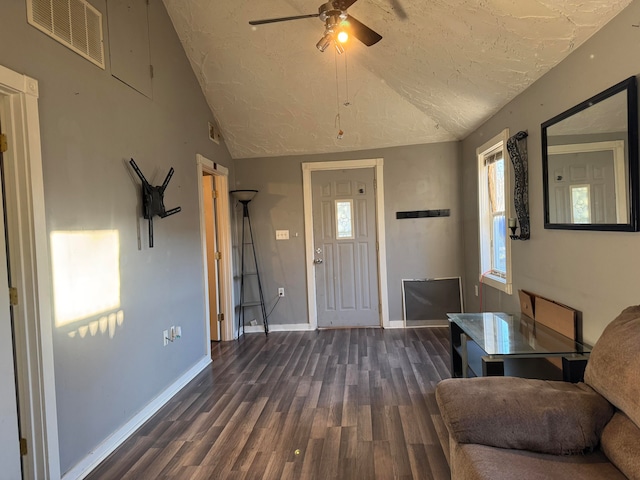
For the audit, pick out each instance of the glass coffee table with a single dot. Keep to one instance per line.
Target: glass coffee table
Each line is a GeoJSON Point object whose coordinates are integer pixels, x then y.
{"type": "Point", "coordinates": [490, 344]}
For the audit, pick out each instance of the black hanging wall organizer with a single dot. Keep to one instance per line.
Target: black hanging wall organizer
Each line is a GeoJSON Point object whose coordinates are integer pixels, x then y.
{"type": "Point", "coordinates": [517, 148]}
{"type": "Point", "coordinates": [153, 199]}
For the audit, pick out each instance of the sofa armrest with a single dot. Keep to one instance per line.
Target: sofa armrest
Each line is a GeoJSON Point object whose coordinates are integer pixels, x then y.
{"type": "Point", "coordinates": [518, 413]}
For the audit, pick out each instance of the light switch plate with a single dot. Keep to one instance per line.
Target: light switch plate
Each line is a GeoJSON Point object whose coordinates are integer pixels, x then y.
{"type": "Point", "coordinates": [282, 234]}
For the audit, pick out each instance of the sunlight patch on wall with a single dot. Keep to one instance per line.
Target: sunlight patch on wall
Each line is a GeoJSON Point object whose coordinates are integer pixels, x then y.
{"type": "Point", "coordinates": [106, 324]}
{"type": "Point", "coordinates": [86, 279]}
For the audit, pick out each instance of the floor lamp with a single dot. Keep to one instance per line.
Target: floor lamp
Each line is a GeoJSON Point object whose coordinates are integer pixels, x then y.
{"type": "Point", "coordinates": [244, 197]}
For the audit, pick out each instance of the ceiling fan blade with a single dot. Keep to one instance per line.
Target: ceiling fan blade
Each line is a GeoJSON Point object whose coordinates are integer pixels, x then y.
{"type": "Point", "coordinates": [362, 32]}
{"type": "Point", "coordinates": [342, 4]}
{"type": "Point", "coordinates": [283, 19]}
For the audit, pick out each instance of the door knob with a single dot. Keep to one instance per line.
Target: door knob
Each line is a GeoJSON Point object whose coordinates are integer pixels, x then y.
{"type": "Point", "coordinates": [317, 261]}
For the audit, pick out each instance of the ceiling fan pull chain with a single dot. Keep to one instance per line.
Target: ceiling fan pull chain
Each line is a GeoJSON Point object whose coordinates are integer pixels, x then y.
{"type": "Point", "coordinates": [337, 83]}
{"type": "Point", "coordinates": [337, 120]}
{"type": "Point", "coordinates": [346, 80]}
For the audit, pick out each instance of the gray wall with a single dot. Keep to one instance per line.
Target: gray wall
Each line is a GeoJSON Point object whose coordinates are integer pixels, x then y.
{"type": "Point", "coordinates": [91, 124]}
{"type": "Point", "coordinates": [595, 272]}
{"type": "Point", "coordinates": [417, 177]}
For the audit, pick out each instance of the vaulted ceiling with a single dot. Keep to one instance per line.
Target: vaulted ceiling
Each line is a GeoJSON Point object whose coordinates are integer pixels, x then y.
{"type": "Point", "coordinates": [441, 69]}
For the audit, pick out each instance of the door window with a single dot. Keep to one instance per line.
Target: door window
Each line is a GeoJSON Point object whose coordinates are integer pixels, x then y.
{"type": "Point", "coordinates": [344, 219]}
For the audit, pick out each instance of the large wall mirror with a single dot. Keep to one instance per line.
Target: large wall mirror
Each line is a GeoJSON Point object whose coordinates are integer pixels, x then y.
{"type": "Point", "coordinates": [590, 163]}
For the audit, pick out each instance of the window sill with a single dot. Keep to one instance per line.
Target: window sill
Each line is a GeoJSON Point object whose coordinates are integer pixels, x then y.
{"type": "Point", "coordinates": [497, 282]}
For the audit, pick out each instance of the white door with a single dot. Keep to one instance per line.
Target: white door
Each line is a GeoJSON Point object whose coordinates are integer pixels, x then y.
{"type": "Point", "coordinates": [345, 258]}
{"type": "Point", "coordinates": [583, 189]}
{"type": "Point", "coordinates": [10, 463]}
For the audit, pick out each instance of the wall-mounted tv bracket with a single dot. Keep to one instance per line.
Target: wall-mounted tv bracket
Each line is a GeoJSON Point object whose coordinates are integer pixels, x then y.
{"type": "Point", "coordinates": [153, 199]}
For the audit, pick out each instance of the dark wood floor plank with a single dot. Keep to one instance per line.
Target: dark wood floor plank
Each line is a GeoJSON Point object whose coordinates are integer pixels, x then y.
{"type": "Point", "coordinates": [410, 426]}
{"type": "Point", "coordinates": [365, 425]}
{"type": "Point", "coordinates": [397, 443]}
{"type": "Point", "coordinates": [330, 454]}
{"type": "Point", "coordinates": [420, 466]}
{"type": "Point", "coordinates": [312, 455]}
{"type": "Point", "coordinates": [332, 404]}
{"type": "Point", "coordinates": [383, 460]}
{"type": "Point", "coordinates": [365, 464]}
{"type": "Point", "coordinates": [350, 406]}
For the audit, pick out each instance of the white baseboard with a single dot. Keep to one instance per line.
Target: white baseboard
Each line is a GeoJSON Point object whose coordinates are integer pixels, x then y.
{"type": "Point", "coordinates": [117, 438]}
{"type": "Point", "coordinates": [293, 327]}
{"type": "Point", "coordinates": [396, 324]}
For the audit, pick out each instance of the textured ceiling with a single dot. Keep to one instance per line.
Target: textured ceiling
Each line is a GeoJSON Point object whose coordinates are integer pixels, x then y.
{"type": "Point", "coordinates": [442, 68]}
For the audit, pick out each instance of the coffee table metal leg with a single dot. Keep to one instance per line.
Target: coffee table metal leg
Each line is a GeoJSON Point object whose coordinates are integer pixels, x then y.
{"type": "Point", "coordinates": [492, 366]}
{"type": "Point", "coordinates": [465, 355]}
{"type": "Point", "coordinates": [573, 368]}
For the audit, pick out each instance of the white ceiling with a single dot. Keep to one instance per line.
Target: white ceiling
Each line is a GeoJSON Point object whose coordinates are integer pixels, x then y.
{"type": "Point", "coordinates": [435, 76]}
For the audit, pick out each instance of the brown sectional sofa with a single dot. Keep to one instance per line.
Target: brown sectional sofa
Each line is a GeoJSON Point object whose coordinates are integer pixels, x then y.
{"type": "Point", "coordinates": [515, 428]}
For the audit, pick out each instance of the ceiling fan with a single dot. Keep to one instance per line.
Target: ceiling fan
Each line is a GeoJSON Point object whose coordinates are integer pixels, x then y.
{"type": "Point", "coordinates": [338, 25]}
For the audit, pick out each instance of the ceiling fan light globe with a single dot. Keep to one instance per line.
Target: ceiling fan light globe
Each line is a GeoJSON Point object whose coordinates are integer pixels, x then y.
{"type": "Point", "coordinates": [324, 42]}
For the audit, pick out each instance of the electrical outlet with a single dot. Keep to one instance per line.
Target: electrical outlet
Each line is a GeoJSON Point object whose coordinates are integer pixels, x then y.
{"type": "Point", "coordinates": [172, 333]}
{"type": "Point", "coordinates": [476, 287]}
{"type": "Point", "coordinates": [165, 338]}
{"type": "Point", "coordinates": [178, 331]}
{"type": "Point", "coordinates": [281, 292]}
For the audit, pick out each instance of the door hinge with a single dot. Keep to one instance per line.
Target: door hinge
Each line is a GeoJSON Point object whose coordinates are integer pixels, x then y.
{"type": "Point", "coordinates": [221, 317]}
{"type": "Point", "coordinates": [375, 184]}
{"type": "Point", "coordinates": [23, 447]}
{"type": "Point", "coordinates": [3, 143]}
{"type": "Point", "coordinates": [214, 193]}
{"type": "Point", "coordinates": [13, 296]}
{"type": "Point", "coordinates": [218, 255]}
{"type": "Point", "coordinates": [151, 70]}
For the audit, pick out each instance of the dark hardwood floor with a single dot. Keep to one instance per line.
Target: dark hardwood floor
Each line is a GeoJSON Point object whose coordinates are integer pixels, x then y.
{"type": "Point", "coordinates": [334, 404]}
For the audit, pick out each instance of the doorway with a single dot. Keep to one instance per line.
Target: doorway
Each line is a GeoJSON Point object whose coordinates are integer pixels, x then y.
{"type": "Point", "coordinates": [30, 281]}
{"type": "Point", "coordinates": [10, 457]}
{"type": "Point", "coordinates": [209, 200]}
{"type": "Point", "coordinates": [346, 277]}
{"type": "Point", "coordinates": [215, 230]}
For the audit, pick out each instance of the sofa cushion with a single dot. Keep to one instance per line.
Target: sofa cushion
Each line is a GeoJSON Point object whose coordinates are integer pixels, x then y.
{"type": "Point", "coordinates": [509, 412]}
{"type": "Point", "coordinates": [479, 462]}
{"type": "Point", "coordinates": [613, 368]}
{"type": "Point", "coordinates": [621, 443]}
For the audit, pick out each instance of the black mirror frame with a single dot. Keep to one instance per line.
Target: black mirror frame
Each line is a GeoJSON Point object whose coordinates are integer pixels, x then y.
{"type": "Point", "coordinates": [630, 86]}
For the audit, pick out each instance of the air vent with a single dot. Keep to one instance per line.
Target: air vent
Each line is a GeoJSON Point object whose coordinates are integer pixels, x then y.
{"type": "Point", "coordinates": [74, 23]}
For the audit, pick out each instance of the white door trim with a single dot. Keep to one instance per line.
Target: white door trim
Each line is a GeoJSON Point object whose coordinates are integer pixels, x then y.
{"type": "Point", "coordinates": [29, 258]}
{"type": "Point", "coordinates": [307, 168]}
{"type": "Point", "coordinates": [205, 165]}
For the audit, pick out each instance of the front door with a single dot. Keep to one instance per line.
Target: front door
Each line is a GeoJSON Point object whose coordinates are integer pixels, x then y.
{"type": "Point", "coordinates": [10, 462]}
{"type": "Point", "coordinates": [345, 258]}
{"type": "Point", "coordinates": [583, 187]}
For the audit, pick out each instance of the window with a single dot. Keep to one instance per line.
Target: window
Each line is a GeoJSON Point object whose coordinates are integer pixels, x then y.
{"type": "Point", "coordinates": [493, 201]}
{"type": "Point", "coordinates": [580, 209]}
{"type": "Point", "coordinates": [344, 219]}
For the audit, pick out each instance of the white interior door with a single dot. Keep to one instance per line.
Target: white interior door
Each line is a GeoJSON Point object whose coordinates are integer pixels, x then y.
{"type": "Point", "coordinates": [10, 462]}
{"type": "Point", "coordinates": [345, 259]}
